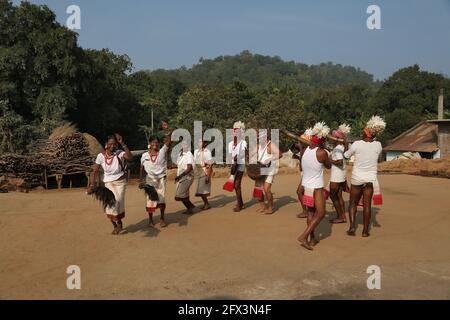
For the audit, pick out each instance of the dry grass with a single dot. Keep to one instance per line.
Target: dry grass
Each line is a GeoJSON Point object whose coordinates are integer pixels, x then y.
{"type": "Point", "coordinates": [63, 131]}
{"type": "Point", "coordinates": [423, 167]}
{"type": "Point", "coordinates": [94, 146]}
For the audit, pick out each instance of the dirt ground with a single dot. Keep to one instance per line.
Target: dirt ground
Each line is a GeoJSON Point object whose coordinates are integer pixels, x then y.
{"type": "Point", "coordinates": [221, 254]}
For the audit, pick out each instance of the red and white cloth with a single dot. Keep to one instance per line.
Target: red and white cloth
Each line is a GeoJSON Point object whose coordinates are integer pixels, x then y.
{"type": "Point", "coordinates": [308, 197]}
{"type": "Point", "coordinates": [377, 197]}
{"type": "Point", "coordinates": [229, 185]}
{"type": "Point", "coordinates": [258, 192]}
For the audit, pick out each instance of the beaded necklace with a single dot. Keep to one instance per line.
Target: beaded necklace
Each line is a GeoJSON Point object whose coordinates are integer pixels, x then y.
{"type": "Point", "coordinates": [109, 159]}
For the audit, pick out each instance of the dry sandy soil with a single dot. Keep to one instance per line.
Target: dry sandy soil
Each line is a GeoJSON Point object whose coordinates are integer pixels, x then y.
{"type": "Point", "coordinates": [221, 254]}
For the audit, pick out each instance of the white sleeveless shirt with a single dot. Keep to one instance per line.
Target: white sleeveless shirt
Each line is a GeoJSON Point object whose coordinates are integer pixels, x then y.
{"type": "Point", "coordinates": [312, 169]}
{"type": "Point", "coordinates": [338, 174]}
{"type": "Point", "coordinates": [264, 157]}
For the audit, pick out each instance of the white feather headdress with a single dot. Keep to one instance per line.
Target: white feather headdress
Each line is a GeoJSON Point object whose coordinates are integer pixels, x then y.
{"type": "Point", "coordinates": [376, 124]}
{"type": "Point", "coordinates": [308, 132]}
{"type": "Point", "coordinates": [321, 130]}
{"type": "Point", "coordinates": [239, 125]}
{"type": "Point", "coordinates": [344, 128]}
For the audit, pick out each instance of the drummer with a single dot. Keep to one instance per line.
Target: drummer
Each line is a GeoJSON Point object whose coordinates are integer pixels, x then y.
{"type": "Point", "coordinates": [268, 155]}
{"type": "Point", "coordinates": [236, 153]}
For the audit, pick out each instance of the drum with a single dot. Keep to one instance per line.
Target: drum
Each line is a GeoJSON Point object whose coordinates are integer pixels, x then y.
{"type": "Point", "coordinates": [254, 171]}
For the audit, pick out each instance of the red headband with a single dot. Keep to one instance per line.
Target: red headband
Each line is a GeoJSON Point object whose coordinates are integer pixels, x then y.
{"type": "Point", "coordinates": [316, 140]}
{"type": "Point", "coordinates": [368, 132]}
{"type": "Point", "coordinates": [338, 134]}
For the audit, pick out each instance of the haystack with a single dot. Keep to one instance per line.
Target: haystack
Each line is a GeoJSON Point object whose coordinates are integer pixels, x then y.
{"type": "Point", "coordinates": [66, 152]}
{"type": "Point", "coordinates": [94, 146]}
{"type": "Point", "coordinates": [63, 131]}
{"type": "Point", "coordinates": [423, 167]}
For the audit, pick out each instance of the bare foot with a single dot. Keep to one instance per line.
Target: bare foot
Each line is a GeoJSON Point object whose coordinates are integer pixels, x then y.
{"type": "Point", "coordinates": [206, 207]}
{"type": "Point", "coordinates": [120, 229]}
{"type": "Point", "coordinates": [162, 223]}
{"type": "Point", "coordinates": [351, 232]}
{"type": "Point", "coordinates": [302, 215]}
{"type": "Point", "coordinates": [305, 244]}
{"type": "Point", "coordinates": [115, 231]}
{"type": "Point", "coordinates": [262, 209]}
{"type": "Point", "coordinates": [338, 220]}
{"type": "Point", "coordinates": [365, 234]}
{"type": "Point", "coordinates": [237, 209]}
{"type": "Point", "coordinates": [268, 211]}
{"type": "Point", "coordinates": [151, 224]}
{"type": "Point", "coordinates": [314, 242]}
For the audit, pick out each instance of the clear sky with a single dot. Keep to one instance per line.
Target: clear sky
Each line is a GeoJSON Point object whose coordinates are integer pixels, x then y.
{"type": "Point", "coordinates": [172, 33]}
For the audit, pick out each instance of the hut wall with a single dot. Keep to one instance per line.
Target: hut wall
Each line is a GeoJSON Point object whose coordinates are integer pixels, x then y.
{"type": "Point", "coordinates": [444, 139]}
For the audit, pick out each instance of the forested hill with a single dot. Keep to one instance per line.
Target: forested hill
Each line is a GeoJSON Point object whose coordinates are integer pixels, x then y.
{"type": "Point", "coordinates": [263, 71]}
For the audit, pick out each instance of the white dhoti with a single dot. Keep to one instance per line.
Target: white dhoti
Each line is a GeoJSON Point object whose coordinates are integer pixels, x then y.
{"type": "Point", "coordinates": [377, 197]}
{"type": "Point", "coordinates": [118, 187]}
{"type": "Point", "coordinates": [203, 188]}
{"type": "Point", "coordinates": [160, 186]}
{"type": "Point", "coordinates": [182, 187]}
{"type": "Point", "coordinates": [269, 178]}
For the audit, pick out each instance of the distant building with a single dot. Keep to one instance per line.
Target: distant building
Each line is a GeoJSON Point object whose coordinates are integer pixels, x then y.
{"type": "Point", "coordinates": [422, 138]}
{"type": "Point", "coordinates": [431, 139]}
{"type": "Point", "coordinates": [443, 136]}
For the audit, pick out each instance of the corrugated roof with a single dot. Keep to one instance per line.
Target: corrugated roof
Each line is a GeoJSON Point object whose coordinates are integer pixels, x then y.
{"type": "Point", "coordinates": [420, 138]}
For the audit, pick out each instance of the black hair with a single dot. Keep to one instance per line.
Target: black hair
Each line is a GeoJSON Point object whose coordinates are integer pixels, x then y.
{"type": "Point", "coordinates": [152, 138]}
{"type": "Point", "coordinates": [111, 136]}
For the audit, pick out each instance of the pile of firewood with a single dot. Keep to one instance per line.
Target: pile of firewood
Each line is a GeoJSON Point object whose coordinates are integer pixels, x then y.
{"type": "Point", "coordinates": [64, 155]}
{"type": "Point", "coordinates": [28, 168]}
{"type": "Point", "coordinates": [66, 147]}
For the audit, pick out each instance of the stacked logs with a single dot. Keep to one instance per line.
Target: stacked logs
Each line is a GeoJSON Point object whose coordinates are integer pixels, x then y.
{"type": "Point", "coordinates": [27, 168]}
{"type": "Point", "coordinates": [65, 155]}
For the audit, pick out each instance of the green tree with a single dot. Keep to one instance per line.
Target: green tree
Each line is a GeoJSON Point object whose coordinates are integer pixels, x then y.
{"type": "Point", "coordinates": [261, 72]}
{"type": "Point", "coordinates": [337, 105]}
{"type": "Point", "coordinates": [217, 106]}
{"type": "Point", "coordinates": [159, 92]}
{"type": "Point", "coordinates": [38, 69]}
{"type": "Point", "coordinates": [408, 97]}
{"type": "Point", "coordinates": [282, 109]}
{"type": "Point", "coordinates": [15, 133]}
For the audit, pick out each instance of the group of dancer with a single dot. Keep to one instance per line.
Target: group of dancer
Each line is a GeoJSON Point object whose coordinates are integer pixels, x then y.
{"type": "Point", "coordinates": [312, 191]}
{"type": "Point", "coordinates": [238, 153]}
{"type": "Point", "coordinates": [153, 173]}
{"type": "Point", "coordinates": [364, 188]}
